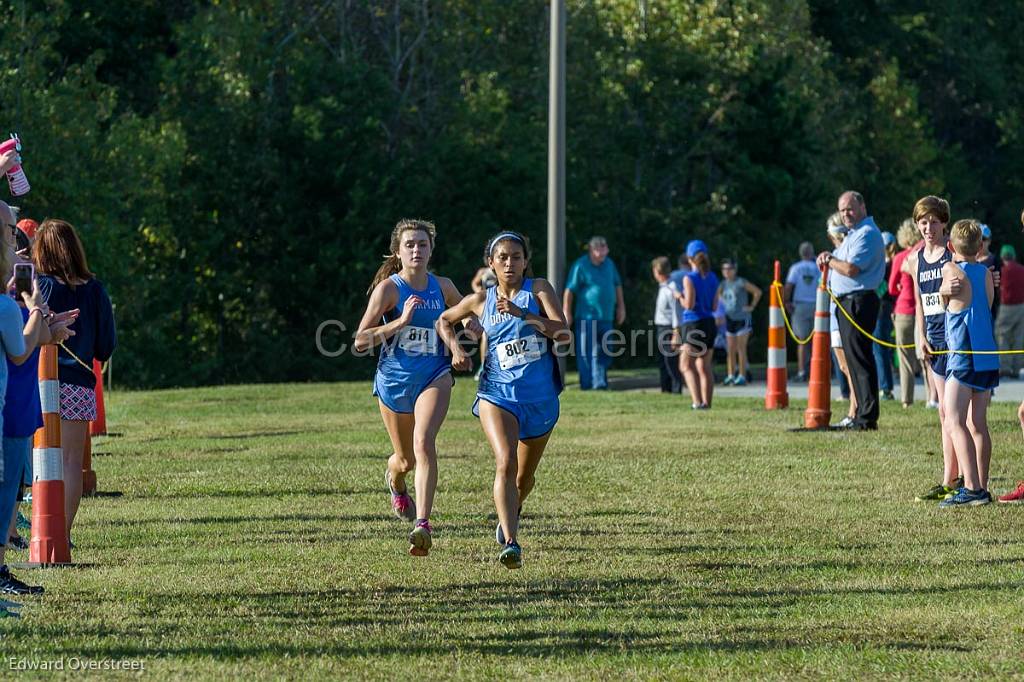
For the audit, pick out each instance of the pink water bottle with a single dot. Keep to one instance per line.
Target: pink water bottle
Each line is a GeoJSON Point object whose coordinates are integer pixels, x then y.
{"type": "Point", "coordinates": [15, 176]}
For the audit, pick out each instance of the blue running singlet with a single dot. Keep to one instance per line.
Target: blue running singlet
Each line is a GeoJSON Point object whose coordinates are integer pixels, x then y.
{"type": "Point", "coordinates": [520, 366]}
{"type": "Point", "coordinates": [414, 357]}
{"type": "Point", "coordinates": [971, 329]}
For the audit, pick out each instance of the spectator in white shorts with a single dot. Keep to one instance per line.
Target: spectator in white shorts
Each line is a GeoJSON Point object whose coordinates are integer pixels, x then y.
{"type": "Point", "coordinates": [837, 233]}
{"type": "Point", "coordinates": [799, 297]}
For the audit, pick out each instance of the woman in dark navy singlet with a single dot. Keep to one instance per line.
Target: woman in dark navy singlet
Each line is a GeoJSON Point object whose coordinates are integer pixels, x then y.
{"type": "Point", "coordinates": [413, 383]}
{"type": "Point", "coordinates": [517, 398]}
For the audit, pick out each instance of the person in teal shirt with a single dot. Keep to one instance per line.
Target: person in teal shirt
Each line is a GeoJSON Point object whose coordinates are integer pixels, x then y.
{"type": "Point", "coordinates": [592, 303]}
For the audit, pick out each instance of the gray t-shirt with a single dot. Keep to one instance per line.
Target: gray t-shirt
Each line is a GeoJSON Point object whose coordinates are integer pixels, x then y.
{"type": "Point", "coordinates": [735, 299]}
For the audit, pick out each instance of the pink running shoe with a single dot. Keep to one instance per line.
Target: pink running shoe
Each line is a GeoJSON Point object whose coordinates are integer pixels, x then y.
{"type": "Point", "coordinates": [401, 503]}
{"type": "Point", "coordinates": [420, 538]}
{"type": "Point", "coordinates": [1015, 497]}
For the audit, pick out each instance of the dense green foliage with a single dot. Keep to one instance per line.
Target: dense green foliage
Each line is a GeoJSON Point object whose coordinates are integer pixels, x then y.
{"type": "Point", "coordinates": [235, 167]}
{"type": "Point", "coordinates": [254, 541]}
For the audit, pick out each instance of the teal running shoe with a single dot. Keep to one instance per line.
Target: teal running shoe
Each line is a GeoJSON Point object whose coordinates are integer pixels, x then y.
{"type": "Point", "coordinates": [740, 380]}
{"type": "Point", "coordinates": [966, 498]}
{"type": "Point", "coordinates": [512, 556]}
{"type": "Point", "coordinates": [23, 523]}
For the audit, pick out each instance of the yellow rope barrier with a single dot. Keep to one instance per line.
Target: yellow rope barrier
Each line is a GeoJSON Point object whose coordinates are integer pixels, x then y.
{"type": "Point", "coordinates": [910, 345]}
{"type": "Point", "coordinates": [785, 318]}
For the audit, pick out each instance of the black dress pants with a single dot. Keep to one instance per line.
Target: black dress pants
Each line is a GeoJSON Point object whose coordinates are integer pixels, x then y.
{"type": "Point", "coordinates": [860, 357]}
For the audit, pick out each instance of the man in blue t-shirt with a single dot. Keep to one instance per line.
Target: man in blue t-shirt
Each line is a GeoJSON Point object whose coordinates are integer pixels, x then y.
{"type": "Point", "coordinates": [858, 267]}
{"type": "Point", "coordinates": [592, 300]}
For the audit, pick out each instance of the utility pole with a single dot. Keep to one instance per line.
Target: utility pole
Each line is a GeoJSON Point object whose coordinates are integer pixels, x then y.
{"type": "Point", "coordinates": [556, 149]}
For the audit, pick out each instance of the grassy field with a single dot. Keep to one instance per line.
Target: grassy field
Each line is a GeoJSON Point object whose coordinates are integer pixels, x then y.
{"type": "Point", "coordinates": [253, 538]}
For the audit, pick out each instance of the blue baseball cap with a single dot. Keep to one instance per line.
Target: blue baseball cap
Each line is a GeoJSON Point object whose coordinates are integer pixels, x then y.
{"type": "Point", "coordinates": [986, 233]}
{"type": "Point", "coordinates": [694, 247]}
{"type": "Point", "coordinates": [888, 238]}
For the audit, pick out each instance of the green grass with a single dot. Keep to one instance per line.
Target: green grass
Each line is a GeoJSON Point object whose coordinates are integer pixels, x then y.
{"type": "Point", "coordinates": [254, 538]}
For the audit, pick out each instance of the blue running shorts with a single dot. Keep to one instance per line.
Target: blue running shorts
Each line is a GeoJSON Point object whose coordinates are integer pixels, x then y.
{"type": "Point", "coordinates": [535, 419]}
{"type": "Point", "coordinates": [400, 396]}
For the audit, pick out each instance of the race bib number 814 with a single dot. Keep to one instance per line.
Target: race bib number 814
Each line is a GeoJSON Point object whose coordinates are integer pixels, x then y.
{"type": "Point", "coordinates": [418, 341]}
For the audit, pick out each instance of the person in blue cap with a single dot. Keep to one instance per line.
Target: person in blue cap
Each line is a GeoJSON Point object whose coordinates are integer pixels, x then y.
{"type": "Point", "coordinates": [884, 325]}
{"type": "Point", "coordinates": [592, 302]}
{"type": "Point", "coordinates": [994, 265]}
{"type": "Point", "coordinates": [696, 330]}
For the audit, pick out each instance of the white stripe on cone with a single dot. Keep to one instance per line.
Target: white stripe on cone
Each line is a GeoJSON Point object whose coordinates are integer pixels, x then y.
{"type": "Point", "coordinates": [49, 395]}
{"type": "Point", "coordinates": [774, 317]}
{"type": "Point", "coordinates": [47, 465]}
{"type": "Point", "coordinates": [776, 358]}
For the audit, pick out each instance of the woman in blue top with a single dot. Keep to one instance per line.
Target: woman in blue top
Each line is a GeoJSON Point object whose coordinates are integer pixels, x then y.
{"type": "Point", "coordinates": [970, 377]}
{"type": "Point", "coordinates": [697, 330]}
{"type": "Point", "coordinates": [517, 399]}
{"type": "Point", "coordinates": [67, 284]}
{"type": "Point", "coordinates": [413, 383]}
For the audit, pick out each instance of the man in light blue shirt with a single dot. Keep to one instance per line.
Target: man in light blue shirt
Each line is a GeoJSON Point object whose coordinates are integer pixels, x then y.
{"type": "Point", "coordinates": [592, 300]}
{"type": "Point", "coordinates": [858, 266]}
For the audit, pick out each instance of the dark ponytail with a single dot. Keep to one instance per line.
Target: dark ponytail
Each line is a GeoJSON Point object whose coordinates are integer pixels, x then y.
{"type": "Point", "coordinates": [701, 262]}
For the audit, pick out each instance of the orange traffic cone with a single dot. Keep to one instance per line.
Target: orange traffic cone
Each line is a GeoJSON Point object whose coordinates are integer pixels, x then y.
{"type": "Point", "coordinates": [819, 388]}
{"type": "Point", "coordinates": [99, 425]}
{"type": "Point", "coordinates": [88, 475]}
{"type": "Point", "coordinates": [49, 545]}
{"type": "Point", "coordinates": [776, 397]}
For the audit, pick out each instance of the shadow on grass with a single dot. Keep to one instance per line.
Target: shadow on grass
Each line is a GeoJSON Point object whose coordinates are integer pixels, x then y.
{"type": "Point", "coordinates": [536, 619]}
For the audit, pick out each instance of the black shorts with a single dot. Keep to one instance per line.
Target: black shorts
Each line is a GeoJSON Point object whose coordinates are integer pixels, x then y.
{"type": "Point", "coordinates": [700, 335]}
{"type": "Point", "coordinates": [738, 327]}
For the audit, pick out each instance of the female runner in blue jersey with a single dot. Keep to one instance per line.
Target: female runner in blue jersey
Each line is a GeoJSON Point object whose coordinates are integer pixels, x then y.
{"type": "Point", "coordinates": [413, 383]}
{"type": "Point", "coordinates": [517, 398]}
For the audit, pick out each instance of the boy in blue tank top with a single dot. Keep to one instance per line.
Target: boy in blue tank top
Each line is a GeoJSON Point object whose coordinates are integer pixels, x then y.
{"type": "Point", "coordinates": [517, 398]}
{"type": "Point", "coordinates": [970, 377]}
{"type": "Point", "coordinates": [413, 382]}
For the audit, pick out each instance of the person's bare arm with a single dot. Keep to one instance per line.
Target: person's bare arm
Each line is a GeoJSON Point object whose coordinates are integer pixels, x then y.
{"type": "Point", "coordinates": [551, 324]}
{"type": "Point", "coordinates": [383, 298]}
{"type": "Point", "coordinates": [620, 306]}
{"type": "Point", "coordinates": [469, 306]}
{"type": "Point", "coordinates": [567, 301]}
{"type": "Point", "coordinates": [755, 294]}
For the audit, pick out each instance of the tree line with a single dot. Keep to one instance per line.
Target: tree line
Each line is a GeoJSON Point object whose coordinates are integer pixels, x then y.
{"type": "Point", "coordinates": [235, 166]}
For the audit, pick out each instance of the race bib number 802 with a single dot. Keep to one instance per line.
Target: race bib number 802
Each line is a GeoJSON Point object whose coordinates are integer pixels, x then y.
{"type": "Point", "coordinates": [520, 352]}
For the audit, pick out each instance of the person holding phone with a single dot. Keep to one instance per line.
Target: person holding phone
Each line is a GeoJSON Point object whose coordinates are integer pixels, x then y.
{"type": "Point", "coordinates": [413, 383]}
{"type": "Point", "coordinates": [67, 284]}
{"type": "Point", "coordinates": [20, 332]}
{"type": "Point", "coordinates": [517, 397]}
